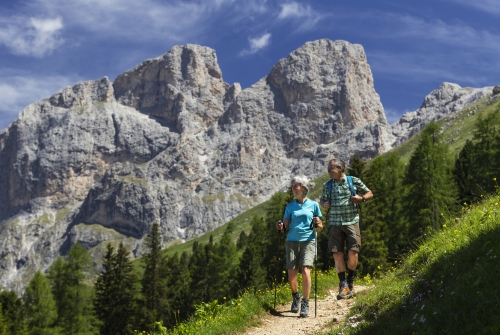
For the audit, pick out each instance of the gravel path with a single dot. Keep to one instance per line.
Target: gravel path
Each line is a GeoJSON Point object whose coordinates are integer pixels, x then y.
{"type": "Point", "coordinates": [285, 322]}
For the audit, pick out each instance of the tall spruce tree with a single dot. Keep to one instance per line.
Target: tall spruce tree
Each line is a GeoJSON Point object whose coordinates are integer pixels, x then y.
{"type": "Point", "coordinates": [199, 278]}
{"type": "Point", "coordinates": [252, 270]}
{"type": "Point", "coordinates": [275, 254]}
{"type": "Point", "coordinates": [40, 306]}
{"type": "Point", "coordinates": [178, 280]}
{"type": "Point", "coordinates": [382, 224]}
{"type": "Point", "coordinates": [154, 304]}
{"type": "Point", "coordinates": [223, 265]}
{"type": "Point", "coordinates": [357, 167]}
{"type": "Point", "coordinates": [430, 190]}
{"type": "Point", "coordinates": [14, 314]}
{"type": "Point", "coordinates": [479, 160]}
{"type": "Point", "coordinates": [115, 292]}
{"type": "Point", "coordinates": [74, 299]}
{"type": "Point", "coordinates": [3, 322]}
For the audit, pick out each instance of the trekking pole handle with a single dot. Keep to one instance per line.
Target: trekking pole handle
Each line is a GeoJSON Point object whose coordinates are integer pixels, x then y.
{"type": "Point", "coordinates": [278, 224]}
{"type": "Point", "coordinates": [313, 225]}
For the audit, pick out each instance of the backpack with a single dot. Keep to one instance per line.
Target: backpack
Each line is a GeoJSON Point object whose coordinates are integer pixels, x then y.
{"type": "Point", "coordinates": [349, 181]}
{"type": "Point", "coordinates": [351, 187]}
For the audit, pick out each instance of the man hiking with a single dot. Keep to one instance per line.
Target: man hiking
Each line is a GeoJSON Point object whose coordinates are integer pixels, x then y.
{"type": "Point", "coordinates": [340, 196]}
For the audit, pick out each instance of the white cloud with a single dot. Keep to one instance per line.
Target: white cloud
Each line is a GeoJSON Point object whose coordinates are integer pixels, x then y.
{"type": "Point", "coordinates": [20, 90]}
{"type": "Point", "coordinates": [393, 115]}
{"type": "Point", "coordinates": [146, 20]}
{"type": "Point", "coordinates": [257, 44]}
{"type": "Point", "coordinates": [423, 68]}
{"type": "Point", "coordinates": [448, 34]}
{"type": "Point", "coordinates": [32, 36]}
{"type": "Point", "coordinates": [305, 17]}
{"type": "Point", "coordinates": [489, 6]}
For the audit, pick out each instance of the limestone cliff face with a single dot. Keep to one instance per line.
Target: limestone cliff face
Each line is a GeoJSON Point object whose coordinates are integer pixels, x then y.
{"type": "Point", "coordinates": [447, 99]}
{"type": "Point", "coordinates": [169, 141]}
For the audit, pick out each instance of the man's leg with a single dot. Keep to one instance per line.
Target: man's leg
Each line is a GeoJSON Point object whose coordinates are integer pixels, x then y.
{"type": "Point", "coordinates": [338, 257]}
{"type": "Point", "coordinates": [352, 263]}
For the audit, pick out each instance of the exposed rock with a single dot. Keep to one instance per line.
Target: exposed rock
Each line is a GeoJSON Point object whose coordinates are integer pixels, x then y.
{"type": "Point", "coordinates": [447, 99]}
{"type": "Point", "coordinates": [169, 141]}
{"type": "Point", "coordinates": [496, 90]}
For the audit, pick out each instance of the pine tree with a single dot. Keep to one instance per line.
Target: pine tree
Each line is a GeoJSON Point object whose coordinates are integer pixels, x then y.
{"type": "Point", "coordinates": [464, 171]}
{"type": "Point", "coordinates": [3, 322]}
{"type": "Point", "coordinates": [41, 309]}
{"type": "Point", "coordinates": [155, 305]}
{"type": "Point", "coordinates": [198, 270]}
{"type": "Point", "coordinates": [178, 295]}
{"type": "Point", "coordinates": [479, 160]}
{"type": "Point", "coordinates": [223, 265]}
{"type": "Point", "coordinates": [430, 190]}
{"type": "Point", "coordinates": [275, 254]}
{"type": "Point", "coordinates": [252, 270]}
{"type": "Point", "coordinates": [115, 292]}
{"type": "Point", "coordinates": [357, 167]}
{"type": "Point", "coordinates": [74, 299]}
{"type": "Point", "coordinates": [385, 211]}
{"type": "Point", "coordinates": [14, 315]}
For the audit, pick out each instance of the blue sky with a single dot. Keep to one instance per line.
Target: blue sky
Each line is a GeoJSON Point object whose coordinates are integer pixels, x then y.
{"type": "Point", "coordinates": [411, 46]}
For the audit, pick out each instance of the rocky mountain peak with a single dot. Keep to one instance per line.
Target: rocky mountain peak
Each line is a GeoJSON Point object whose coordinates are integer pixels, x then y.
{"type": "Point", "coordinates": [446, 99]}
{"type": "Point", "coordinates": [182, 89]}
{"type": "Point", "coordinates": [170, 142]}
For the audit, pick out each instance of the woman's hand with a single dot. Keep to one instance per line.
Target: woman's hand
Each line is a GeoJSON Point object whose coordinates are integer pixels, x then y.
{"type": "Point", "coordinates": [318, 224]}
{"type": "Point", "coordinates": [279, 225]}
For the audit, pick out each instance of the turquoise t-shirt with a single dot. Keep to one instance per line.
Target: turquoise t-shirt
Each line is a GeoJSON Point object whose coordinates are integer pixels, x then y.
{"type": "Point", "coordinates": [300, 218]}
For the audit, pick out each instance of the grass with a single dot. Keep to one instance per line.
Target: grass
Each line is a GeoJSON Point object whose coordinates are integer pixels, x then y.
{"type": "Point", "coordinates": [447, 285]}
{"type": "Point", "coordinates": [239, 314]}
{"type": "Point", "coordinates": [457, 128]}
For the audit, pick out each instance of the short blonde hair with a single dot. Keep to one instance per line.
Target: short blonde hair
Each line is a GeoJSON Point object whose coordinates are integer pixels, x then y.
{"type": "Point", "coordinates": [302, 180]}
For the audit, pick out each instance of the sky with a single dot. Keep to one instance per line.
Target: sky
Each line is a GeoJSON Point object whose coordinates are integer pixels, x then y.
{"type": "Point", "coordinates": [411, 46]}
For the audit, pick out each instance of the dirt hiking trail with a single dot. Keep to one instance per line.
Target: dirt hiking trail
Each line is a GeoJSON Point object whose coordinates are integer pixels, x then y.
{"type": "Point", "coordinates": [285, 322]}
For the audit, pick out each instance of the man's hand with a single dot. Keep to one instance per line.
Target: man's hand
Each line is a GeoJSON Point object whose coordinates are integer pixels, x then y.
{"type": "Point", "coordinates": [325, 204]}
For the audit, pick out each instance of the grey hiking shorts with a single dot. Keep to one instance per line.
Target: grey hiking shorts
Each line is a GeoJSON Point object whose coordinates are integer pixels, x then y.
{"type": "Point", "coordinates": [340, 235]}
{"type": "Point", "coordinates": [299, 254]}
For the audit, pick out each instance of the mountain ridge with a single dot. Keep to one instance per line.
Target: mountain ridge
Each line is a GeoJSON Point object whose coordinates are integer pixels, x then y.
{"type": "Point", "coordinates": [170, 141]}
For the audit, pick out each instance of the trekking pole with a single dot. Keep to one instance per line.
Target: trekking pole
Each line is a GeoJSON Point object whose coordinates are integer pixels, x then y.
{"type": "Point", "coordinates": [313, 226]}
{"type": "Point", "coordinates": [278, 264]}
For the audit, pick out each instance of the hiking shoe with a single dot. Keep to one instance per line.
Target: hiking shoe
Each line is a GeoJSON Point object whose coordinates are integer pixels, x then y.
{"type": "Point", "coordinates": [350, 284]}
{"type": "Point", "coordinates": [304, 308]}
{"type": "Point", "coordinates": [295, 302]}
{"type": "Point", "coordinates": [344, 291]}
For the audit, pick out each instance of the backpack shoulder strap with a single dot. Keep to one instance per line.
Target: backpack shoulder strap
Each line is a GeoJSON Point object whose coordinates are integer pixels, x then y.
{"type": "Point", "coordinates": [351, 186]}
{"type": "Point", "coordinates": [330, 182]}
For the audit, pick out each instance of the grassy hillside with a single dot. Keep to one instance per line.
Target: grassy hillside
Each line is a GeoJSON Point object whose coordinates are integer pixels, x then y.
{"type": "Point", "coordinates": [457, 128]}
{"type": "Point", "coordinates": [447, 285]}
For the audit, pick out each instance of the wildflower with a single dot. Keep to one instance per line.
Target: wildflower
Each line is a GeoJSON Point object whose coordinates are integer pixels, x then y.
{"type": "Point", "coordinates": [444, 226]}
{"type": "Point", "coordinates": [495, 179]}
{"type": "Point", "coordinates": [441, 214]}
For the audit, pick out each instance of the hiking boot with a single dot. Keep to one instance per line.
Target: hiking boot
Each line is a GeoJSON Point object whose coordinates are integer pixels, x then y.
{"type": "Point", "coordinates": [304, 308]}
{"type": "Point", "coordinates": [350, 284]}
{"type": "Point", "coordinates": [295, 302]}
{"type": "Point", "coordinates": [344, 291]}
